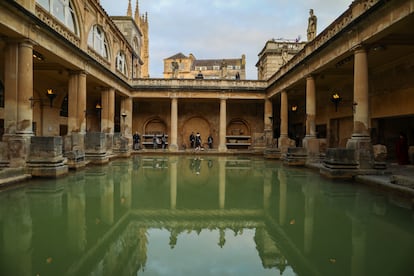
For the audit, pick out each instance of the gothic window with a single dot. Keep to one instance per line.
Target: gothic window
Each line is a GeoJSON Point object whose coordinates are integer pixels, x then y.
{"type": "Point", "coordinates": [62, 10]}
{"type": "Point", "coordinates": [121, 63]}
{"type": "Point", "coordinates": [97, 40]}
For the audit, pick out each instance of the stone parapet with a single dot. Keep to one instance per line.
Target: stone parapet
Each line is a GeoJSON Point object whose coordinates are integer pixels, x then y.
{"type": "Point", "coordinates": [95, 148]}
{"type": "Point", "coordinates": [121, 145]}
{"type": "Point", "coordinates": [339, 163]}
{"type": "Point", "coordinates": [74, 150]}
{"type": "Point", "coordinates": [295, 157]}
{"type": "Point", "coordinates": [45, 157]}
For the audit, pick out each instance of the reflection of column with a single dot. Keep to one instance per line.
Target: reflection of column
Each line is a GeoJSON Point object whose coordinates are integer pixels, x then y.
{"type": "Point", "coordinates": [173, 146]}
{"type": "Point", "coordinates": [223, 122]}
{"type": "Point", "coordinates": [16, 249]}
{"type": "Point", "coordinates": [309, 190]}
{"type": "Point", "coordinates": [107, 200]}
{"type": "Point", "coordinates": [358, 248]}
{"type": "Point", "coordinates": [76, 202]}
{"type": "Point", "coordinates": [126, 186]}
{"type": "Point", "coordinates": [222, 181]}
{"type": "Point", "coordinates": [268, 121]}
{"type": "Point", "coordinates": [267, 189]}
{"type": "Point", "coordinates": [173, 182]}
{"type": "Point", "coordinates": [282, 197]}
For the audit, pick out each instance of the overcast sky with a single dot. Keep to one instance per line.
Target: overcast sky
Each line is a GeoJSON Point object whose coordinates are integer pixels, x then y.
{"type": "Point", "coordinates": [217, 29]}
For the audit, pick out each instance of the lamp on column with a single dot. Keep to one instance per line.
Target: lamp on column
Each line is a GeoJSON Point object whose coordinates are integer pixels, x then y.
{"type": "Point", "coordinates": [294, 108]}
{"type": "Point", "coordinates": [50, 94]}
{"type": "Point", "coordinates": [336, 99]}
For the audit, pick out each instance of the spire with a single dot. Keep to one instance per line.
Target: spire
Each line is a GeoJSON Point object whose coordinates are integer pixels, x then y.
{"type": "Point", "coordinates": [129, 11]}
{"type": "Point", "coordinates": [136, 15]}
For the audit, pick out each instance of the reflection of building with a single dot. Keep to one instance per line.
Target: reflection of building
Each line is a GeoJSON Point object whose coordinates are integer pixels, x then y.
{"type": "Point", "coordinates": [188, 67]}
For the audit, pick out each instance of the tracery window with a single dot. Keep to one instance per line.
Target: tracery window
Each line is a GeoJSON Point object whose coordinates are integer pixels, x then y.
{"type": "Point", "coordinates": [97, 40]}
{"type": "Point", "coordinates": [121, 63]}
{"type": "Point", "coordinates": [62, 10]}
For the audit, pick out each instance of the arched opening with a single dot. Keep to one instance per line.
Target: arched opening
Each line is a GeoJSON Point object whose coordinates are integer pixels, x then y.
{"type": "Point", "coordinates": [195, 125]}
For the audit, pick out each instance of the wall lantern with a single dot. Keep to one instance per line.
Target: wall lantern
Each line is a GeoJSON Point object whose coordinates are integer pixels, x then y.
{"type": "Point", "coordinates": [336, 99]}
{"type": "Point", "coordinates": [51, 95]}
{"type": "Point", "coordinates": [98, 106]}
{"type": "Point", "coordinates": [294, 108]}
{"type": "Point", "coordinates": [123, 115]}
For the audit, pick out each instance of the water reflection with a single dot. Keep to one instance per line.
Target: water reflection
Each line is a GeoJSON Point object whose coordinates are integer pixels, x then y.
{"type": "Point", "coordinates": [202, 215]}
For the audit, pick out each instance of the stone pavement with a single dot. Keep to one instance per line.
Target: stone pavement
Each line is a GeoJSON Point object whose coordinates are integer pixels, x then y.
{"type": "Point", "coordinates": [397, 177]}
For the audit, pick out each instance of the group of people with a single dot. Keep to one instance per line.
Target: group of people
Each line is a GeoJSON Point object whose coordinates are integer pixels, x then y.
{"type": "Point", "coordinates": [196, 141]}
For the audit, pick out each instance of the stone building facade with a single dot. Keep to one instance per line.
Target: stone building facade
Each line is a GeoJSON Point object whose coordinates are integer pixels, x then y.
{"type": "Point", "coordinates": [188, 67]}
{"type": "Point", "coordinates": [79, 80]}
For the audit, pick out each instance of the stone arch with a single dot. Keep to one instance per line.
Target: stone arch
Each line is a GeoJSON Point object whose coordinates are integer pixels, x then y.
{"type": "Point", "coordinates": [195, 124]}
{"type": "Point", "coordinates": [238, 126]}
{"type": "Point", "coordinates": [155, 125]}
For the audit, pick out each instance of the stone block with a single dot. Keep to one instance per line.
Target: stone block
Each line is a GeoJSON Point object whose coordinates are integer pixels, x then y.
{"type": "Point", "coordinates": [380, 153]}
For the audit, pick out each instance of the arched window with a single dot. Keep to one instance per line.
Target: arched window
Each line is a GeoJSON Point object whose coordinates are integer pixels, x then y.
{"type": "Point", "coordinates": [121, 63]}
{"type": "Point", "coordinates": [97, 40]}
{"type": "Point", "coordinates": [62, 10]}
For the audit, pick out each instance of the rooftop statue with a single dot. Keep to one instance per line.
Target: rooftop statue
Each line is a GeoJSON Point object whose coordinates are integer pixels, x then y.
{"type": "Point", "coordinates": [312, 25]}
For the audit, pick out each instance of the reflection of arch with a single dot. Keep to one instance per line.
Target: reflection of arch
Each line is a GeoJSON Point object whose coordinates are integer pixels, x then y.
{"type": "Point", "coordinates": [238, 126]}
{"type": "Point", "coordinates": [195, 124]}
{"type": "Point", "coordinates": [155, 125]}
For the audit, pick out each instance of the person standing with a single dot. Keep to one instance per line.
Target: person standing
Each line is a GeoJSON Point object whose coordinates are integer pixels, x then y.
{"type": "Point", "coordinates": [192, 140]}
{"type": "Point", "coordinates": [163, 141]}
{"type": "Point", "coordinates": [210, 141]}
{"type": "Point", "coordinates": [198, 141]}
{"type": "Point", "coordinates": [137, 139]}
{"type": "Point", "coordinates": [402, 150]}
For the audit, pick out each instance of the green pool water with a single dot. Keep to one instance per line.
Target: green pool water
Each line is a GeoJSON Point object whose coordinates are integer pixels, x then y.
{"type": "Point", "coordinates": [202, 215]}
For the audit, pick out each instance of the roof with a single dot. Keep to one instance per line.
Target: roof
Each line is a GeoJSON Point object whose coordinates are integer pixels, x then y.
{"type": "Point", "coordinates": [217, 62]}
{"type": "Point", "coordinates": [177, 56]}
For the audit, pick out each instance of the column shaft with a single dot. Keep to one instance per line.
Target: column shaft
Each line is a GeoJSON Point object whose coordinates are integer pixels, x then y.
{"type": "Point", "coordinates": [223, 122]}
{"type": "Point", "coordinates": [10, 88]}
{"type": "Point", "coordinates": [25, 88]}
{"type": "Point", "coordinates": [283, 114]}
{"type": "Point", "coordinates": [361, 116]}
{"type": "Point", "coordinates": [310, 107]}
{"type": "Point", "coordinates": [173, 144]}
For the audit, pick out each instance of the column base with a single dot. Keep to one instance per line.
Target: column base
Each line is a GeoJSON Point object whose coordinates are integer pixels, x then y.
{"type": "Point", "coordinates": [173, 148]}
{"type": "Point", "coordinates": [364, 153]}
{"type": "Point", "coordinates": [222, 148]}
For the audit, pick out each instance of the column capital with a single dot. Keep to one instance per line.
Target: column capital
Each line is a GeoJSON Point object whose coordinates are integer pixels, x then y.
{"type": "Point", "coordinates": [358, 48]}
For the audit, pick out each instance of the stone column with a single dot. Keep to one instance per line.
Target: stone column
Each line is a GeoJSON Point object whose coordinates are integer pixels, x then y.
{"type": "Point", "coordinates": [10, 88]}
{"type": "Point", "coordinates": [310, 143]}
{"type": "Point", "coordinates": [360, 140]}
{"type": "Point", "coordinates": [25, 91]}
{"type": "Point", "coordinates": [283, 142]}
{"type": "Point", "coordinates": [223, 124]}
{"type": "Point", "coordinates": [268, 122]}
{"type": "Point", "coordinates": [108, 109]}
{"type": "Point", "coordinates": [173, 145]}
{"type": "Point", "coordinates": [126, 109]}
{"type": "Point", "coordinates": [74, 142]}
{"type": "Point", "coordinates": [18, 88]}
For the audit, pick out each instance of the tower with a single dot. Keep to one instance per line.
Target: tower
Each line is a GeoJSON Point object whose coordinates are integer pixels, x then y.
{"type": "Point", "coordinates": [142, 22]}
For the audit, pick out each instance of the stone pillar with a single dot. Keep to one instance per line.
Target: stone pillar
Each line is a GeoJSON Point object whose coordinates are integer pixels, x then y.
{"type": "Point", "coordinates": [310, 143]}
{"type": "Point", "coordinates": [107, 111]}
{"type": "Point", "coordinates": [284, 141]}
{"type": "Point", "coordinates": [173, 145]}
{"type": "Point", "coordinates": [18, 88]}
{"type": "Point", "coordinates": [25, 91]}
{"type": "Point", "coordinates": [268, 122]}
{"type": "Point", "coordinates": [223, 124]}
{"type": "Point", "coordinates": [126, 109]}
{"type": "Point", "coordinates": [77, 103]}
{"type": "Point", "coordinates": [360, 140]}
{"type": "Point", "coordinates": [74, 142]}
